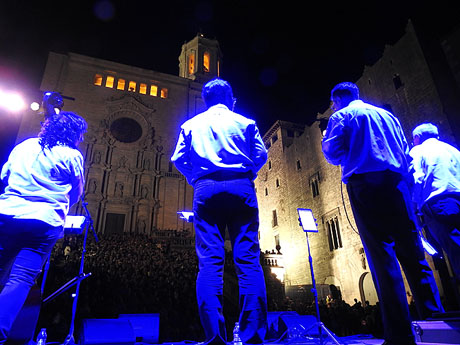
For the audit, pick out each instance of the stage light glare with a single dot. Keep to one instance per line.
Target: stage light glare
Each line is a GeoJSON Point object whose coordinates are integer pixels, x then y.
{"type": "Point", "coordinates": [11, 101]}
{"type": "Point", "coordinates": [35, 106]}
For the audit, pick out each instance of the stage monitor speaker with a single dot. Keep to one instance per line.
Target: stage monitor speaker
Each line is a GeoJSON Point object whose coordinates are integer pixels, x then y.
{"type": "Point", "coordinates": [146, 327]}
{"type": "Point", "coordinates": [274, 330]}
{"type": "Point", "coordinates": [295, 326]}
{"type": "Point", "coordinates": [106, 331]}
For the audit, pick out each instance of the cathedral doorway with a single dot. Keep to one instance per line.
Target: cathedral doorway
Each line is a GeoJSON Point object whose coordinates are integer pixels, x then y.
{"type": "Point", "coordinates": [367, 289]}
{"type": "Point", "coordinates": [114, 223]}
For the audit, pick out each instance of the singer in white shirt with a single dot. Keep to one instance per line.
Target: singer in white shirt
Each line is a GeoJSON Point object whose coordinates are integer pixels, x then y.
{"type": "Point", "coordinates": [43, 178]}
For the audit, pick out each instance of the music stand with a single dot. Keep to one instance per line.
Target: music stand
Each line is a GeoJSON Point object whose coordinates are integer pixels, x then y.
{"type": "Point", "coordinates": [186, 215]}
{"type": "Point", "coordinates": [308, 224]}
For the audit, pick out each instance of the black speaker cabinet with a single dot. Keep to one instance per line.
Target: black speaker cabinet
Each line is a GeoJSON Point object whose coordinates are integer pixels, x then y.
{"type": "Point", "coordinates": [106, 331]}
{"type": "Point", "coordinates": [146, 327]}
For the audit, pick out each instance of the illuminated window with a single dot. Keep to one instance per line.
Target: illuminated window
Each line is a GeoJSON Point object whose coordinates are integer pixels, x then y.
{"type": "Point", "coordinates": [121, 84]}
{"type": "Point", "coordinates": [132, 86]}
{"type": "Point", "coordinates": [333, 233]}
{"type": "Point", "coordinates": [314, 184]}
{"type": "Point", "coordinates": [164, 93]}
{"type": "Point", "coordinates": [206, 61]}
{"type": "Point", "coordinates": [143, 88]}
{"type": "Point", "coordinates": [218, 68]}
{"type": "Point", "coordinates": [109, 81]}
{"type": "Point", "coordinates": [274, 218]}
{"type": "Point", "coordinates": [153, 90]}
{"type": "Point", "coordinates": [98, 80]}
{"type": "Point", "coordinates": [191, 63]}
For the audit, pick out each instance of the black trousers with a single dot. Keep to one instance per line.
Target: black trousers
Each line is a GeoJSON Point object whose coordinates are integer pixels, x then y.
{"type": "Point", "coordinates": [442, 217]}
{"type": "Point", "coordinates": [220, 201]}
{"type": "Point", "coordinates": [382, 210]}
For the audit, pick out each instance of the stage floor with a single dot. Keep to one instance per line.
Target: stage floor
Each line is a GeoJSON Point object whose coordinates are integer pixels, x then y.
{"type": "Point", "coordinates": [352, 340]}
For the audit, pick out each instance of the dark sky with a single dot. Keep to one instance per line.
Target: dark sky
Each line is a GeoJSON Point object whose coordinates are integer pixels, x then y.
{"type": "Point", "coordinates": [281, 58]}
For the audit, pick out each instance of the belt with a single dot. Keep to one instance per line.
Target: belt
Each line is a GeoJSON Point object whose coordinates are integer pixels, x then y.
{"type": "Point", "coordinates": [223, 175]}
{"type": "Point", "coordinates": [376, 176]}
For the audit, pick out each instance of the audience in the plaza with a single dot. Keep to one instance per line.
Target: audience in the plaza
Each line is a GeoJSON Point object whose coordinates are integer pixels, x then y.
{"type": "Point", "coordinates": [136, 274]}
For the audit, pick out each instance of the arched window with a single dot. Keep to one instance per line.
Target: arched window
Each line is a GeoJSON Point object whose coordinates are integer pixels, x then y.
{"type": "Point", "coordinates": [121, 84]}
{"type": "Point", "coordinates": [191, 62]}
{"type": "Point", "coordinates": [333, 233]}
{"type": "Point", "coordinates": [98, 80]}
{"type": "Point", "coordinates": [132, 86]}
{"type": "Point", "coordinates": [109, 81]}
{"type": "Point", "coordinates": [206, 62]}
{"type": "Point", "coordinates": [153, 90]}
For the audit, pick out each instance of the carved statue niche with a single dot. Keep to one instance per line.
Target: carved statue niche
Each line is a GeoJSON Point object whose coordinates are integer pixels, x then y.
{"type": "Point", "coordinates": [141, 225]}
{"type": "Point", "coordinates": [149, 140]}
{"type": "Point", "coordinates": [123, 163]}
{"type": "Point", "coordinates": [92, 186]}
{"type": "Point", "coordinates": [97, 156]}
{"type": "Point", "coordinates": [144, 192]}
{"type": "Point", "coordinates": [363, 258]}
{"type": "Point", "coordinates": [119, 187]}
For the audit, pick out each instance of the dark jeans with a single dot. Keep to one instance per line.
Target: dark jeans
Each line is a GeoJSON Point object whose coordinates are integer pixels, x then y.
{"type": "Point", "coordinates": [24, 247]}
{"type": "Point", "coordinates": [380, 204]}
{"type": "Point", "coordinates": [442, 217]}
{"type": "Point", "coordinates": [221, 203]}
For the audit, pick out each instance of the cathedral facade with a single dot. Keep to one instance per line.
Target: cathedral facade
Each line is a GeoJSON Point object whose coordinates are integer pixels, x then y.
{"type": "Point", "coordinates": [133, 116]}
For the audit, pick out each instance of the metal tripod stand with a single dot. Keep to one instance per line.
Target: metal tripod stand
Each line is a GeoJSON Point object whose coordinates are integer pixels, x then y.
{"type": "Point", "coordinates": [87, 224]}
{"type": "Point", "coordinates": [309, 225]}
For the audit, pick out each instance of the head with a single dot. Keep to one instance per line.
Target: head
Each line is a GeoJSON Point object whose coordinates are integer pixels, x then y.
{"type": "Point", "coordinates": [218, 91]}
{"type": "Point", "coordinates": [342, 94]}
{"type": "Point", "coordinates": [423, 132]}
{"type": "Point", "coordinates": [65, 128]}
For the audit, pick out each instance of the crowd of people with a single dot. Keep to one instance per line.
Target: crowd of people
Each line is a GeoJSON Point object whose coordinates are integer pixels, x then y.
{"type": "Point", "coordinates": [138, 274]}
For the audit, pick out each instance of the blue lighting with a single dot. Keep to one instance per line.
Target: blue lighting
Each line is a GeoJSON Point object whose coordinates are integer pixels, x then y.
{"type": "Point", "coordinates": [428, 247]}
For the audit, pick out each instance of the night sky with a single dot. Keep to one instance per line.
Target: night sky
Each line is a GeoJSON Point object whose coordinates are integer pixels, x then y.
{"type": "Point", "coordinates": [281, 58]}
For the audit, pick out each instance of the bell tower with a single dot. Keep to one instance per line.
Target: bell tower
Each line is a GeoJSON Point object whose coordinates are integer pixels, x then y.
{"type": "Point", "coordinates": [200, 59]}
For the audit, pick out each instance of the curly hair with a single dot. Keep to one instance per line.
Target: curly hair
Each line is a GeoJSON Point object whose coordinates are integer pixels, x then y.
{"type": "Point", "coordinates": [65, 128]}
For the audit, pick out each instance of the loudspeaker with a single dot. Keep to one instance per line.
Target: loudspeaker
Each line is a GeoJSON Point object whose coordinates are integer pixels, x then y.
{"type": "Point", "coordinates": [146, 326]}
{"type": "Point", "coordinates": [106, 331]}
{"type": "Point", "coordinates": [437, 331]}
{"type": "Point", "coordinates": [296, 325]}
{"type": "Point", "coordinates": [273, 321]}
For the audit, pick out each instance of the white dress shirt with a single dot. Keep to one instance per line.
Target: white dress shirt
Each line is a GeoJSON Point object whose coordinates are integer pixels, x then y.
{"type": "Point", "coordinates": [41, 184]}
{"type": "Point", "coordinates": [436, 170]}
{"type": "Point", "coordinates": [218, 140]}
{"type": "Point", "coordinates": [364, 138]}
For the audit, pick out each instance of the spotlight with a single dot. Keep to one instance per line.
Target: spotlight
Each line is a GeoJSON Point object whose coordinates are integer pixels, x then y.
{"type": "Point", "coordinates": [35, 106]}
{"type": "Point", "coordinates": [52, 103]}
{"type": "Point", "coordinates": [11, 101]}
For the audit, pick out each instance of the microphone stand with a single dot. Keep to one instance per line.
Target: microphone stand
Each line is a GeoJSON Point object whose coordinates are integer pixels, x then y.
{"type": "Point", "coordinates": [70, 340]}
{"type": "Point", "coordinates": [88, 224]}
{"type": "Point", "coordinates": [318, 323]}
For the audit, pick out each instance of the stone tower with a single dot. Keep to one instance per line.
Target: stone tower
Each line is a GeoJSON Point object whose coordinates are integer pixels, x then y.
{"type": "Point", "coordinates": [200, 59]}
